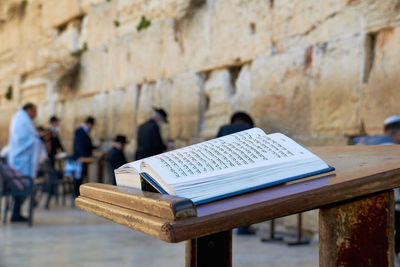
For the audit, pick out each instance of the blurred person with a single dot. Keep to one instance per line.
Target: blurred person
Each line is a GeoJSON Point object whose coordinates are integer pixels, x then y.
{"type": "Point", "coordinates": [391, 135]}
{"type": "Point", "coordinates": [4, 153]}
{"type": "Point", "coordinates": [240, 121]}
{"type": "Point", "coordinates": [83, 148]}
{"type": "Point", "coordinates": [45, 136]}
{"type": "Point", "coordinates": [25, 149]}
{"type": "Point", "coordinates": [24, 143]}
{"type": "Point", "coordinates": [115, 157]}
{"type": "Point", "coordinates": [149, 142]}
{"type": "Point", "coordinates": [55, 143]}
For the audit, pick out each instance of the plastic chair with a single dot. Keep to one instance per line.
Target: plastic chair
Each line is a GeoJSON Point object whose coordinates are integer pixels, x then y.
{"type": "Point", "coordinates": [10, 184]}
{"type": "Point", "coordinates": [53, 180]}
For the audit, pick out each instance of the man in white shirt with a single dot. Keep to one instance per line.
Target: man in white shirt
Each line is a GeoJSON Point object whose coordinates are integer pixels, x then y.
{"type": "Point", "coordinates": [25, 149]}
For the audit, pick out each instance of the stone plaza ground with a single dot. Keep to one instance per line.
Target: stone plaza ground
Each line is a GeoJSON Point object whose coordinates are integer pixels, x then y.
{"type": "Point", "coordinates": [64, 236]}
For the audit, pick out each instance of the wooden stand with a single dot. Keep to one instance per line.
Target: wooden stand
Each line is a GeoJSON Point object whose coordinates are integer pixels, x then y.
{"type": "Point", "coordinates": [356, 210]}
{"type": "Point", "coordinates": [211, 250]}
{"type": "Point", "coordinates": [300, 240]}
{"type": "Point", "coordinates": [272, 237]}
{"type": "Point", "coordinates": [358, 233]}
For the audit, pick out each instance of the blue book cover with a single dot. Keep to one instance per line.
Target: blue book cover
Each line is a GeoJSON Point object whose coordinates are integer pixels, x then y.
{"type": "Point", "coordinates": [151, 185]}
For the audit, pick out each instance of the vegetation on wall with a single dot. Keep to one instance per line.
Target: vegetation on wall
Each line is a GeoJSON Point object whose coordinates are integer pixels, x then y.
{"type": "Point", "coordinates": [8, 95]}
{"type": "Point", "coordinates": [16, 10]}
{"type": "Point", "coordinates": [143, 24]}
{"type": "Point", "coordinates": [24, 4]}
{"type": "Point", "coordinates": [78, 53]}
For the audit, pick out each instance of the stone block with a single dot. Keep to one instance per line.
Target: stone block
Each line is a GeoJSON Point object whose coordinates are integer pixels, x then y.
{"type": "Point", "coordinates": [281, 96]}
{"type": "Point", "coordinates": [380, 91]}
{"type": "Point", "coordinates": [10, 36]}
{"type": "Point", "coordinates": [56, 13]}
{"type": "Point", "coordinates": [92, 71]}
{"type": "Point", "coordinates": [162, 98]}
{"type": "Point", "coordinates": [130, 12]}
{"type": "Point", "coordinates": [145, 103]}
{"type": "Point", "coordinates": [33, 88]}
{"type": "Point", "coordinates": [172, 51]}
{"type": "Point", "coordinates": [379, 14]}
{"type": "Point", "coordinates": [338, 25]}
{"type": "Point", "coordinates": [164, 9]}
{"type": "Point", "coordinates": [30, 21]}
{"type": "Point", "coordinates": [113, 109]}
{"type": "Point", "coordinates": [242, 97]}
{"type": "Point", "coordinates": [125, 120]}
{"type": "Point", "coordinates": [194, 38]}
{"type": "Point", "coordinates": [115, 65]}
{"type": "Point", "coordinates": [51, 47]}
{"type": "Point", "coordinates": [298, 24]}
{"type": "Point", "coordinates": [6, 114]}
{"type": "Point", "coordinates": [239, 30]}
{"type": "Point", "coordinates": [85, 5]}
{"type": "Point", "coordinates": [218, 90]}
{"type": "Point", "coordinates": [7, 65]}
{"type": "Point", "coordinates": [100, 104]}
{"type": "Point", "coordinates": [66, 42]}
{"type": "Point", "coordinates": [162, 93]}
{"type": "Point", "coordinates": [144, 55]}
{"type": "Point", "coordinates": [68, 122]}
{"type": "Point", "coordinates": [186, 103]}
{"type": "Point", "coordinates": [335, 99]}
{"type": "Point", "coordinates": [100, 24]}
{"type": "Point", "coordinates": [26, 57]}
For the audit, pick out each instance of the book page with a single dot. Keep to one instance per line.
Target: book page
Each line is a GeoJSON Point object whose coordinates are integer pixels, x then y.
{"type": "Point", "coordinates": [134, 165]}
{"type": "Point", "coordinates": [230, 153]}
{"type": "Point", "coordinates": [128, 175]}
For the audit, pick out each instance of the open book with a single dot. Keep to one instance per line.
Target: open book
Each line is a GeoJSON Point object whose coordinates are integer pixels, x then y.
{"type": "Point", "coordinates": [223, 167]}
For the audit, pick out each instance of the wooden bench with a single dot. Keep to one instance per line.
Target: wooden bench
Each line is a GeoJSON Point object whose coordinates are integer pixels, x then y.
{"type": "Point", "coordinates": [356, 203]}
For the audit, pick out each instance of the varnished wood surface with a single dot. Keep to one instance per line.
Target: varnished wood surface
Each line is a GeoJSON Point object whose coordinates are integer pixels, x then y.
{"type": "Point", "coordinates": [358, 233]}
{"type": "Point", "coordinates": [151, 225]}
{"type": "Point", "coordinates": [164, 206]}
{"type": "Point", "coordinates": [87, 159]}
{"type": "Point", "coordinates": [360, 171]}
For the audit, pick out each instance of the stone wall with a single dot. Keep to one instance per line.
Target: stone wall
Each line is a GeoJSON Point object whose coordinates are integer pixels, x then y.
{"type": "Point", "coordinates": [319, 71]}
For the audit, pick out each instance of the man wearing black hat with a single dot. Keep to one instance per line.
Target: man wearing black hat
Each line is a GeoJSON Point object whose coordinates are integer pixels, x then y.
{"type": "Point", "coordinates": [83, 147]}
{"type": "Point", "coordinates": [149, 142]}
{"type": "Point", "coordinates": [115, 156]}
{"type": "Point", "coordinates": [55, 143]}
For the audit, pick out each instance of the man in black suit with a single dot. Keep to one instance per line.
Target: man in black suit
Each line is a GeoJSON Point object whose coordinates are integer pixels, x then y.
{"type": "Point", "coordinates": [55, 143]}
{"type": "Point", "coordinates": [115, 156]}
{"type": "Point", "coordinates": [149, 142]}
{"type": "Point", "coordinates": [83, 147]}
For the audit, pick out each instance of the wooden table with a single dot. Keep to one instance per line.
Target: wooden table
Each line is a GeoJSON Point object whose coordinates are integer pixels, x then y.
{"type": "Point", "coordinates": [356, 221]}
{"type": "Point", "coordinates": [97, 158]}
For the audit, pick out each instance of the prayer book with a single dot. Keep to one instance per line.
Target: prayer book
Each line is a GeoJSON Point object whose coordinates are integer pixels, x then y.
{"type": "Point", "coordinates": [223, 167]}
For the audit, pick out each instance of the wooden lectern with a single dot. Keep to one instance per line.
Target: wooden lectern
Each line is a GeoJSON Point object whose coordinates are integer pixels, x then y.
{"type": "Point", "coordinates": [356, 221]}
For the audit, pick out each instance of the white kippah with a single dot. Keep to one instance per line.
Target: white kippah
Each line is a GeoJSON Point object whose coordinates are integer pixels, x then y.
{"type": "Point", "coordinates": [392, 119]}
